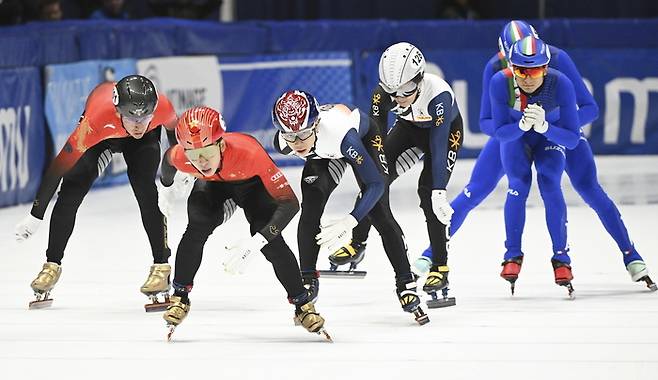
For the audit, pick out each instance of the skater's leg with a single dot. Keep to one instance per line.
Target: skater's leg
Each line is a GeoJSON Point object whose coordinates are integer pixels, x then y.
{"type": "Point", "coordinates": [142, 159]}
{"type": "Point", "coordinates": [516, 160]}
{"type": "Point", "coordinates": [75, 186]}
{"type": "Point", "coordinates": [549, 162]}
{"type": "Point", "coordinates": [204, 213]}
{"type": "Point", "coordinates": [319, 179]}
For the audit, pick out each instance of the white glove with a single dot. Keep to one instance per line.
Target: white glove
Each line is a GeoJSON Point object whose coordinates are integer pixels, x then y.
{"type": "Point", "coordinates": [240, 254]}
{"type": "Point", "coordinates": [441, 206]}
{"type": "Point", "coordinates": [27, 227]}
{"type": "Point", "coordinates": [537, 116]}
{"type": "Point", "coordinates": [167, 195]}
{"type": "Point", "coordinates": [525, 124]}
{"type": "Point", "coordinates": [337, 232]}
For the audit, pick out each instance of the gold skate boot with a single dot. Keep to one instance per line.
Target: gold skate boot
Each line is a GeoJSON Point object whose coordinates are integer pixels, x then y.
{"type": "Point", "coordinates": [437, 280]}
{"type": "Point", "coordinates": [311, 320]}
{"type": "Point", "coordinates": [44, 284]}
{"type": "Point", "coordinates": [157, 284]}
{"type": "Point", "coordinates": [175, 313]}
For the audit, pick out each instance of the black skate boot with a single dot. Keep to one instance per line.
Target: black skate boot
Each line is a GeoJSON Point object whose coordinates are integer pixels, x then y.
{"type": "Point", "coordinates": [563, 276]}
{"type": "Point", "coordinates": [351, 253]}
{"type": "Point", "coordinates": [405, 288]}
{"type": "Point", "coordinates": [437, 280]}
{"type": "Point", "coordinates": [312, 284]}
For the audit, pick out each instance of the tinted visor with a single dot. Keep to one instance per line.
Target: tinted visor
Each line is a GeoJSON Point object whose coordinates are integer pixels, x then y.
{"type": "Point", "coordinates": [529, 72]}
{"type": "Point", "coordinates": [207, 152]}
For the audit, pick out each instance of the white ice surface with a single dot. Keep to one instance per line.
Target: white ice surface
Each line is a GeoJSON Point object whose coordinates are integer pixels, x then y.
{"type": "Point", "coordinates": [241, 327]}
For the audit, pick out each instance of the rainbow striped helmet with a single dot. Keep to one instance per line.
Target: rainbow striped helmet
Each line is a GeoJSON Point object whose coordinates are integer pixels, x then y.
{"type": "Point", "coordinates": [529, 52]}
{"type": "Point", "coordinates": [512, 32]}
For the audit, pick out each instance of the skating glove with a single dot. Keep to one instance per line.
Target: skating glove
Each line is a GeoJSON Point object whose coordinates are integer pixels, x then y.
{"type": "Point", "coordinates": [27, 227]}
{"type": "Point", "coordinates": [240, 254]}
{"type": "Point", "coordinates": [422, 266]}
{"type": "Point", "coordinates": [336, 233]}
{"type": "Point", "coordinates": [167, 195]}
{"type": "Point", "coordinates": [441, 206]}
{"type": "Point", "coordinates": [525, 124]}
{"type": "Point", "coordinates": [537, 116]}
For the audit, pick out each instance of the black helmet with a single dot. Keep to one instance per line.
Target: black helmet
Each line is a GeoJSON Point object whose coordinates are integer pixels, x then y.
{"type": "Point", "coordinates": [135, 96]}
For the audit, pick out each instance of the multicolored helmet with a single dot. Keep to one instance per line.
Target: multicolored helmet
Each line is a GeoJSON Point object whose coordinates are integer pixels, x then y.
{"type": "Point", "coordinates": [295, 111]}
{"type": "Point", "coordinates": [199, 127]}
{"type": "Point", "coordinates": [529, 52]}
{"type": "Point", "coordinates": [512, 32]}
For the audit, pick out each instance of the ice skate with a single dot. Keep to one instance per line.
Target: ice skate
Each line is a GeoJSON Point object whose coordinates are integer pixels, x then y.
{"type": "Point", "coordinates": [409, 299]}
{"type": "Point", "coordinates": [157, 284]}
{"type": "Point", "coordinates": [352, 254]}
{"type": "Point", "coordinates": [311, 320]}
{"type": "Point", "coordinates": [312, 284]}
{"type": "Point", "coordinates": [176, 313]}
{"type": "Point", "coordinates": [437, 280]}
{"type": "Point", "coordinates": [511, 270]}
{"type": "Point", "coordinates": [44, 284]}
{"type": "Point", "coordinates": [563, 276]}
{"type": "Point", "coordinates": [638, 271]}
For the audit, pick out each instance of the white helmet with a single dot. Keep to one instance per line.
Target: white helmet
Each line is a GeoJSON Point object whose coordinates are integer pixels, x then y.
{"type": "Point", "coordinates": [400, 63]}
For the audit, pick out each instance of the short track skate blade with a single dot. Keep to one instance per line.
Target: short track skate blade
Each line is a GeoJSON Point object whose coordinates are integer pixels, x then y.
{"type": "Point", "coordinates": [43, 304]}
{"type": "Point", "coordinates": [355, 274]}
{"type": "Point", "coordinates": [155, 307]}
{"type": "Point", "coordinates": [171, 328]}
{"type": "Point", "coordinates": [650, 284]}
{"type": "Point", "coordinates": [326, 335]}
{"type": "Point", "coordinates": [570, 289]}
{"type": "Point", "coordinates": [441, 302]}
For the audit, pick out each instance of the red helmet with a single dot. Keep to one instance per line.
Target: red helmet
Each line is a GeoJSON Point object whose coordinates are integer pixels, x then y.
{"type": "Point", "coordinates": [199, 127]}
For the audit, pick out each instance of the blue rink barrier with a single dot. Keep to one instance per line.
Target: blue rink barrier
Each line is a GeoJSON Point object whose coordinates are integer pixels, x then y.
{"type": "Point", "coordinates": [22, 135]}
{"type": "Point", "coordinates": [334, 60]}
{"type": "Point", "coordinates": [252, 85]}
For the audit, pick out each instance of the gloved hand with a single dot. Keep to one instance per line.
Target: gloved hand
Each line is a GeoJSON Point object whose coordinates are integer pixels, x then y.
{"type": "Point", "coordinates": [441, 206]}
{"type": "Point", "coordinates": [26, 228]}
{"type": "Point", "coordinates": [167, 195]}
{"type": "Point", "coordinates": [336, 233]}
{"type": "Point", "coordinates": [422, 266]}
{"type": "Point", "coordinates": [537, 114]}
{"type": "Point", "coordinates": [240, 254]}
{"type": "Point", "coordinates": [525, 124]}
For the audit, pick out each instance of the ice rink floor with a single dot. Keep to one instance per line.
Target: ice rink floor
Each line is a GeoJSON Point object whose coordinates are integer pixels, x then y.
{"type": "Point", "coordinates": [241, 327]}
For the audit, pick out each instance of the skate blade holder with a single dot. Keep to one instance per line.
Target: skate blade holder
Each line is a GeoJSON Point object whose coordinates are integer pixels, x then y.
{"type": "Point", "coordinates": [40, 304]}
{"type": "Point", "coordinates": [650, 284]}
{"type": "Point", "coordinates": [421, 317]}
{"type": "Point", "coordinates": [444, 301]}
{"type": "Point", "coordinates": [156, 305]}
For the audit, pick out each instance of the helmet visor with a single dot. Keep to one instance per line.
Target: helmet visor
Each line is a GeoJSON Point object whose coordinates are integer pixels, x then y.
{"type": "Point", "coordinates": [529, 72]}
{"type": "Point", "coordinates": [139, 119]}
{"type": "Point", "coordinates": [207, 152]}
{"type": "Point", "coordinates": [403, 91]}
{"type": "Point", "coordinates": [302, 135]}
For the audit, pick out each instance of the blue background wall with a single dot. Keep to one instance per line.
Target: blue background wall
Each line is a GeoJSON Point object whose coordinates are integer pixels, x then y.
{"type": "Point", "coordinates": [336, 60]}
